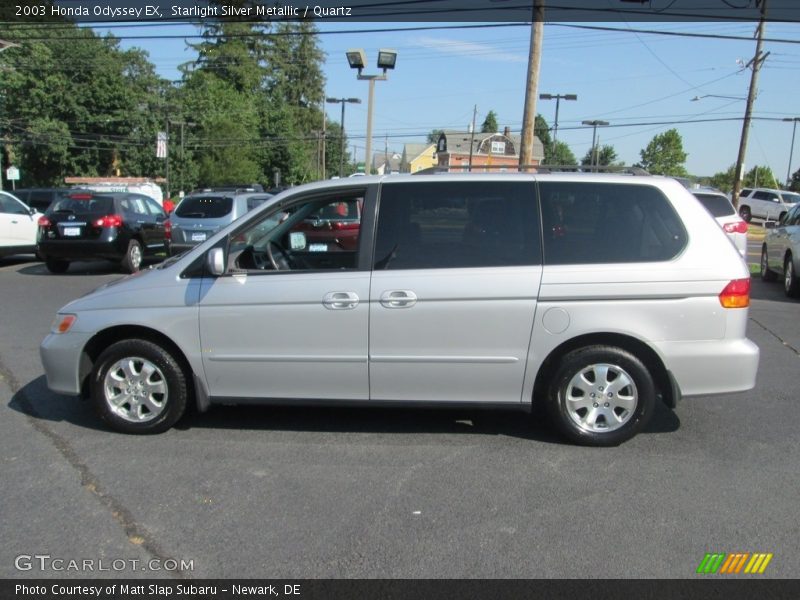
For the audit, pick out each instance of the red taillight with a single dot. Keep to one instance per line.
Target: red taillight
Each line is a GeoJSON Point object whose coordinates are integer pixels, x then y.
{"type": "Point", "coordinates": [167, 229]}
{"type": "Point", "coordinates": [44, 222]}
{"type": "Point", "coordinates": [109, 221]}
{"type": "Point", "coordinates": [738, 227]}
{"type": "Point", "coordinates": [736, 294]}
{"type": "Point", "coordinates": [81, 196]}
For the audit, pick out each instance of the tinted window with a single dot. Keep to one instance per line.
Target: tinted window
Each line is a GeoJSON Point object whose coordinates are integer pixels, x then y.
{"type": "Point", "coordinates": [768, 196]}
{"type": "Point", "coordinates": [718, 206]}
{"type": "Point", "coordinates": [591, 223]}
{"type": "Point", "coordinates": [83, 205]}
{"type": "Point", "coordinates": [457, 224]}
{"type": "Point", "coordinates": [204, 207]}
{"type": "Point", "coordinates": [790, 198]}
{"type": "Point", "coordinates": [10, 205]}
{"type": "Point", "coordinates": [254, 201]}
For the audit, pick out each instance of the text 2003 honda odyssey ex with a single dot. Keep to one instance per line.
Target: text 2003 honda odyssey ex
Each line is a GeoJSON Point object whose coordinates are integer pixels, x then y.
{"type": "Point", "coordinates": [593, 295]}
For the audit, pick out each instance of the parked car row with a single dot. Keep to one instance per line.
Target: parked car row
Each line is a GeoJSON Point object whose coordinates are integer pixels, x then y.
{"type": "Point", "coordinates": [122, 227]}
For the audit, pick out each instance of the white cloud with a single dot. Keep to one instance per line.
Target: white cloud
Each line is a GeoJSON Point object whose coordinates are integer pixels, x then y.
{"type": "Point", "coordinates": [469, 49]}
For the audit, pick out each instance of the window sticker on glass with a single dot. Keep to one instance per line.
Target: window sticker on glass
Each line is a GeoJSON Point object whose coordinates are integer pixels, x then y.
{"type": "Point", "coordinates": [297, 240]}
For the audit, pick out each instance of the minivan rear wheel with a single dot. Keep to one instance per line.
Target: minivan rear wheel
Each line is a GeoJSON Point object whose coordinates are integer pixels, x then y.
{"type": "Point", "coordinates": [138, 387]}
{"type": "Point", "coordinates": [601, 396]}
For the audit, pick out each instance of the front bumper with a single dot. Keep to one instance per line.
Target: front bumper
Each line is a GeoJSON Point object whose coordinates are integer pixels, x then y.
{"type": "Point", "coordinates": [61, 358]}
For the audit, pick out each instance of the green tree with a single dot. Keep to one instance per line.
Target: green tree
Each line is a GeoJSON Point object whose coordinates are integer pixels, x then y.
{"type": "Point", "coordinates": [542, 131]}
{"type": "Point", "coordinates": [606, 155]}
{"type": "Point", "coordinates": [760, 176]}
{"type": "Point", "coordinates": [434, 134]}
{"type": "Point", "coordinates": [664, 155]}
{"type": "Point", "coordinates": [794, 184]}
{"type": "Point", "coordinates": [559, 153]}
{"type": "Point", "coordinates": [490, 123]}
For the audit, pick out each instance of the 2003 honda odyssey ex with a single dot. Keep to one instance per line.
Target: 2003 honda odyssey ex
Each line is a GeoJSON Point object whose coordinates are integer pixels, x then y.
{"type": "Point", "coordinates": [593, 295]}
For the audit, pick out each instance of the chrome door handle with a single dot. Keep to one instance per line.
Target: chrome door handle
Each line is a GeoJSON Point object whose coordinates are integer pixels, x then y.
{"type": "Point", "coordinates": [340, 300]}
{"type": "Point", "coordinates": [398, 299]}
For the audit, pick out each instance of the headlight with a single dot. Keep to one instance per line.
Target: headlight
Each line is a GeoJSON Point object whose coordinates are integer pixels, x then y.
{"type": "Point", "coordinates": [63, 323]}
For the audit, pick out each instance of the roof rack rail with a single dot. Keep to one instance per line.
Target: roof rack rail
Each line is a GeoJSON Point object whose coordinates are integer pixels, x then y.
{"type": "Point", "coordinates": [534, 169]}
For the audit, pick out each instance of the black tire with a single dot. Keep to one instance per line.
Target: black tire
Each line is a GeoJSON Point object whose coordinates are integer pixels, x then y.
{"type": "Point", "coordinates": [55, 265]}
{"type": "Point", "coordinates": [133, 257]}
{"type": "Point", "coordinates": [149, 400]}
{"type": "Point", "coordinates": [577, 366]}
{"type": "Point", "coordinates": [766, 274]}
{"type": "Point", "coordinates": [791, 282]}
{"type": "Point", "coordinates": [744, 212]}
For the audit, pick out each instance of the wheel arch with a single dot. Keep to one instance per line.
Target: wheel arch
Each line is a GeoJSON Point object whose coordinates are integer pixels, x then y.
{"type": "Point", "coordinates": [104, 338]}
{"type": "Point", "coordinates": [666, 388]}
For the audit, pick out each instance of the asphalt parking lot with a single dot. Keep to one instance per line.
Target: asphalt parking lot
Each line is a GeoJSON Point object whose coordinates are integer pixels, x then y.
{"type": "Point", "coordinates": [315, 493]}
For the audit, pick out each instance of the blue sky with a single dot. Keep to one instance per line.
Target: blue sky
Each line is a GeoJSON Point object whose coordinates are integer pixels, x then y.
{"type": "Point", "coordinates": [624, 78]}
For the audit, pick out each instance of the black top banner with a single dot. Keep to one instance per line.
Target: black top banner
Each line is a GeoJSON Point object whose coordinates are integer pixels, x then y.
{"type": "Point", "coordinates": [425, 589]}
{"type": "Point", "coordinates": [198, 11]}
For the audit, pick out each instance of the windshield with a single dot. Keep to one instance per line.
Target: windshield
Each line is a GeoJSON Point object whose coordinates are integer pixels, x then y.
{"type": "Point", "coordinates": [791, 198]}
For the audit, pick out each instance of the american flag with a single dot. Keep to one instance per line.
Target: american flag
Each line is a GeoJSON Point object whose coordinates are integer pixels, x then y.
{"type": "Point", "coordinates": [161, 145]}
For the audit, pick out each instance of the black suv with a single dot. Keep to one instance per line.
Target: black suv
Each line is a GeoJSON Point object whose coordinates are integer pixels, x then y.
{"type": "Point", "coordinates": [117, 226]}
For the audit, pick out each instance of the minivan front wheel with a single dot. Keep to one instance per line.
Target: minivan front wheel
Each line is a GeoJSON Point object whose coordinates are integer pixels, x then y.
{"type": "Point", "coordinates": [601, 396]}
{"type": "Point", "coordinates": [138, 387]}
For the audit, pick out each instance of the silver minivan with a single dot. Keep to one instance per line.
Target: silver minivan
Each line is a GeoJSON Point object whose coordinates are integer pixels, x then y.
{"type": "Point", "coordinates": [594, 296]}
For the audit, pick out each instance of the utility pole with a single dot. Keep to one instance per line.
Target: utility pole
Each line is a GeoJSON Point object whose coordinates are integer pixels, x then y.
{"type": "Point", "coordinates": [755, 65]}
{"type": "Point", "coordinates": [534, 61]}
{"type": "Point", "coordinates": [166, 163]}
{"type": "Point", "coordinates": [472, 137]}
{"type": "Point", "coordinates": [324, 138]}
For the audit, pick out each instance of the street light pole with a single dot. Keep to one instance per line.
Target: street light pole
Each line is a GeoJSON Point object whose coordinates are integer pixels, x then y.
{"type": "Point", "coordinates": [357, 59]}
{"type": "Point", "coordinates": [791, 149]}
{"type": "Point", "coordinates": [594, 124]}
{"type": "Point", "coordinates": [557, 98]}
{"type": "Point", "coordinates": [344, 101]}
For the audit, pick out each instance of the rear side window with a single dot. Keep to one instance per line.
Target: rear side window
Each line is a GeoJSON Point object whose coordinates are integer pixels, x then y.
{"type": "Point", "coordinates": [718, 206]}
{"type": "Point", "coordinates": [83, 204]}
{"type": "Point", "coordinates": [204, 207]}
{"type": "Point", "coordinates": [445, 224]}
{"type": "Point", "coordinates": [593, 223]}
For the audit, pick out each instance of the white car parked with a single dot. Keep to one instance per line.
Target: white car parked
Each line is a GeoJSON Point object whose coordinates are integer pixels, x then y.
{"type": "Point", "coordinates": [766, 203]}
{"type": "Point", "coordinates": [723, 212]}
{"type": "Point", "coordinates": [18, 225]}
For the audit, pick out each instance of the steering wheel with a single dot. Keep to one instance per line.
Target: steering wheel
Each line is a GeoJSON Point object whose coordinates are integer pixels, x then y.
{"type": "Point", "coordinates": [278, 256]}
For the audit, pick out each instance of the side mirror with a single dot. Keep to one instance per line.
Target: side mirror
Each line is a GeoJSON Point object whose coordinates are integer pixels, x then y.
{"type": "Point", "coordinates": [31, 211]}
{"type": "Point", "coordinates": [215, 261]}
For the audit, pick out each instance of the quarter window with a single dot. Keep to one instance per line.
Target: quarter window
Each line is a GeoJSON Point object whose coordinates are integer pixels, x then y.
{"type": "Point", "coordinates": [457, 224]}
{"type": "Point", "coordinates": [591, 223]}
